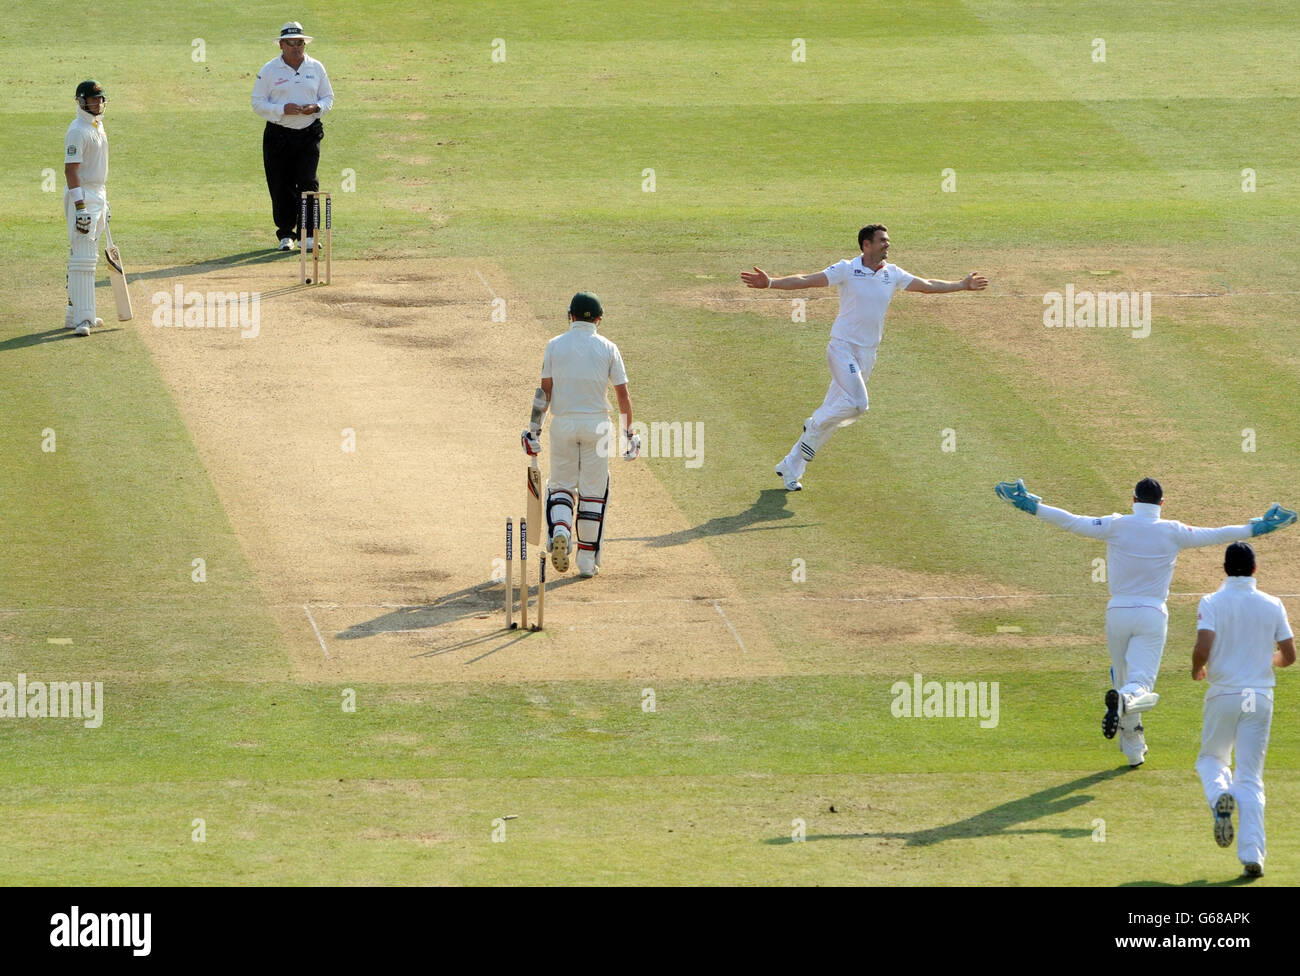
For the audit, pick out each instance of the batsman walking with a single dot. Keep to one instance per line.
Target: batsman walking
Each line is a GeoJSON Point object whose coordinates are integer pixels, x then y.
{"type": "Point", "coordinates": [577, 370]}
{"type": "Point", "coordinates": [866, 285]}
{"type": "Point", "coordinates": [1141, 551]}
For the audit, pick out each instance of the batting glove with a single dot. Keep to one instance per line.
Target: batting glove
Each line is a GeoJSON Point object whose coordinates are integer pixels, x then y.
{"type": "Point", "coordinates": [532, 443]}
{"type": "Point", "coordinates": [1016, 493]}
{"type": "Point", "coordinates": [633, 446]}
{"type": "Point", "coordinates": [1275, 518]}
{"type": "Point", "coordinates": [83, 219]}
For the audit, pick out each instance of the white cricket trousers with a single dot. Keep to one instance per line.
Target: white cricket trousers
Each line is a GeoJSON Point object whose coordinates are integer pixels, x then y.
{"type": "Point", "coordinates": [1240, 718]}
{"type": "Point", "coordinates": [846, 401]}
{"type": "Point", "coordinates": [1136, 636]}
{"type": "Point", "coordinates": [581, 444]}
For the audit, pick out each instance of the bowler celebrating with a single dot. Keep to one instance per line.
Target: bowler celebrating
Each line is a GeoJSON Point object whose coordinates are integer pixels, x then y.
{"type": "Point", "coordinates": [866, 285]}
{"type": "Point", "coordinates": [1141, 551]}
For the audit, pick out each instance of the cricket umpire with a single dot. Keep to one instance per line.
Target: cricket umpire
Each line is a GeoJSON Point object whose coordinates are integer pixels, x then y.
{"type": "Point", "coordinates": [577, 370]}
{"type": "Point", "coordinates": [1236, 630]}
{"type": "Point", "coordinates": [292, 92]}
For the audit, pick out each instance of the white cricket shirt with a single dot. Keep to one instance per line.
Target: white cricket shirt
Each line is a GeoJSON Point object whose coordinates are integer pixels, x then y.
{"type": "Point", "coordinates": [581, 364]}
{"type": "Point", "coordinates": [1141, 549]}
{"type": "Point", "coordinates": [87, 144]}
{"type": "Point", "coordinates": [278, 85]}
{"type": "Point", "coordinates": [1247, 623]}
{"type": "Point", "coordinates": [864, 297]}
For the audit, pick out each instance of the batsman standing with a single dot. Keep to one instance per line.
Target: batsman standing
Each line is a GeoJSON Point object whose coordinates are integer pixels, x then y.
{"type": "Point", "coordinates": [1236, 630]}
{"type": "Point", "coordinates": [866, 285]}
{"type": "Point", "coordinates": [1141, 551]}
{"type": "Point", "coordinates": [292, 92]}
{"type": "Point", "coordinates": [85, 203]}
{"type": "Point", "coordinates": [577, 370]}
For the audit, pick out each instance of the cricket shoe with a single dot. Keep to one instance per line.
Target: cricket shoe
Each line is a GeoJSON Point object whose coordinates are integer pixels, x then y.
{"type": "Point", "coordinates": [286, 244]}
{"type": "Point", "coordinates": [309, 244]}
{"type": "Point", "coordinates": [560, 552]}
{"type": "Point", "coordinates": [1223, 808]}
{"type": "Point", "coordinates": [1253, 869]}
{"type": "Point", "coordinates": [1134, 746]}
{"type": "Point", "coordinates": [1110, 723]}
{"type": "Point", "coordinates": [1141, 702]}
{"type": "Point", "coordinates": [83, 328]}
{"type": "Point", "coordinates": [69, 324]}
{"type": "Point", "coordinates": [791, 484]}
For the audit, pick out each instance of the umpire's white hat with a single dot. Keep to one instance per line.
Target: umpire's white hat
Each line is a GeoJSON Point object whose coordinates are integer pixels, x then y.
{"type": "Point", "coordinates": [292, 31]}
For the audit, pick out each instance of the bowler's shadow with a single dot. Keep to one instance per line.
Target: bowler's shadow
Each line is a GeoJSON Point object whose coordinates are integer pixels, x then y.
{"type": "Point", "coordinates": [770, 507]}
{"type": "Point", "coordinates": [1000, 821]}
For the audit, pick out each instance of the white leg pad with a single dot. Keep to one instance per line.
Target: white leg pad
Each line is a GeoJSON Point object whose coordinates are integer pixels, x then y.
{"type": "Point", "coordinates": [81, 286]}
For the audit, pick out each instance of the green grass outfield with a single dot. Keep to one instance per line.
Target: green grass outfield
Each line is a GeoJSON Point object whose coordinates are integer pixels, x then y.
{"type": "Point", "coordinates": [1067, 170]}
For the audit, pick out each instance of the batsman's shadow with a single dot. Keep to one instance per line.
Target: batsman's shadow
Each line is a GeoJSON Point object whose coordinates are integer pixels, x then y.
{"type": "Point", "coordinates": [1000, 821]}
{"type": "Point", "coordinates": [486, 598]}
{"type": "Point", "coordinates": [770, 507]}
{"type": "Point", "coordinates": [49, 335]}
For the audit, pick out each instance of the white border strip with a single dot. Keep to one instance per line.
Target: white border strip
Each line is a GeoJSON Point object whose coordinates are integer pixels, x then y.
{"type": "Point", "coordinates": [312, 621]}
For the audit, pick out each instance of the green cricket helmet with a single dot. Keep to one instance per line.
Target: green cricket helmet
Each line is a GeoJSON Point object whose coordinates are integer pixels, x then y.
{"type": "Point", "coordinates": [586, 307]}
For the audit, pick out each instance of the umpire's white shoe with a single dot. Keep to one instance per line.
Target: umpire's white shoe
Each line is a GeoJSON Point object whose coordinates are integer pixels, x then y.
{"type": "Point", "coordinates": [1134, 746]}
{"type": "Point", "coordinates": [286, 244]}
{"type": "Point", "coordinates": [560, 552]}
{"type": "Point", "coordinates": [791, 484]}
{"type": "Point", "coordinates": [1223, 808]}
{"type": "Point", "coordinates": [309, 244]}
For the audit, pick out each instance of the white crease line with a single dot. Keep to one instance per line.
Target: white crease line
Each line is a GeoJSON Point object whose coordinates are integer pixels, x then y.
{"type": "Point", "coordinates": [312, 620]}
{"type": "Point", "coordinates": [485, 284]}
{"type": "Point", "coordinates": [428, 608]}
{"type": "Point", "coordinates": [718, 607]}
{"type": "Point", "coordinates": [1039, 295]}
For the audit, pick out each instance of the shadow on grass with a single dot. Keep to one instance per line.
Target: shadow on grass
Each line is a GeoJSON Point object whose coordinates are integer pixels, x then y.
{"type": "Point", "coordinates": [1199, 883]}
{"type": "Point", "coordinates": [1000, 821]}
{"type": "Point", "coordinates": [770, 507]}
{"type": "Point", "coordinates": [51, 335]}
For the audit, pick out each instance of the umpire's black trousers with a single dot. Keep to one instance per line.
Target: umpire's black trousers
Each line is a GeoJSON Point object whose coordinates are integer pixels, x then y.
{"type": "Point", "coordinates": [290, 157]}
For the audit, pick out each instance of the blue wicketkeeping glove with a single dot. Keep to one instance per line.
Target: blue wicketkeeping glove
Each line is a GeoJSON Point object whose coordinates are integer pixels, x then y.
{"type": "Point", "coordinates": [1276, 517]}
{"type": "Point", "coordinates": [1016, 493]}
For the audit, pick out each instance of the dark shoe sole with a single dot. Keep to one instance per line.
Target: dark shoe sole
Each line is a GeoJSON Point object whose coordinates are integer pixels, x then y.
{"type": "Point", "coordinates": [1110, 723]}
{"type": "Point", "coordinates": [1223, 832]}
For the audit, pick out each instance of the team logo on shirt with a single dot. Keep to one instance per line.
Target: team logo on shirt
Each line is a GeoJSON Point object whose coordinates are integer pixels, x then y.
{"type": "Point", "coordinates": [886, 275]}
{"type": "Point", "coordinates": [1096, 521]}
{"type": "Point", "coordinates": [72, 150]}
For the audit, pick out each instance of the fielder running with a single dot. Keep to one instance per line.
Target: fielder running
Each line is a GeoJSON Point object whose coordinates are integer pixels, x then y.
{"type": "Point", "coordinates": [1141, 551]}
{"type": "Point", "coordinates": [866, 284]}
{"type": "Point", "coordinates": [1236, 630]}
{"type": "Point", "coordinates": [85, 203]}
{"type": "Point", "coordinates": [576, 371]}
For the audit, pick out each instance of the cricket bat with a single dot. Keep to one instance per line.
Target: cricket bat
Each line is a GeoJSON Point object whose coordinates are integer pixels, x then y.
{"type": "Point", "coordinates": [118, 278]}
{"type": "Point", "coordinates": [534, 504]}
